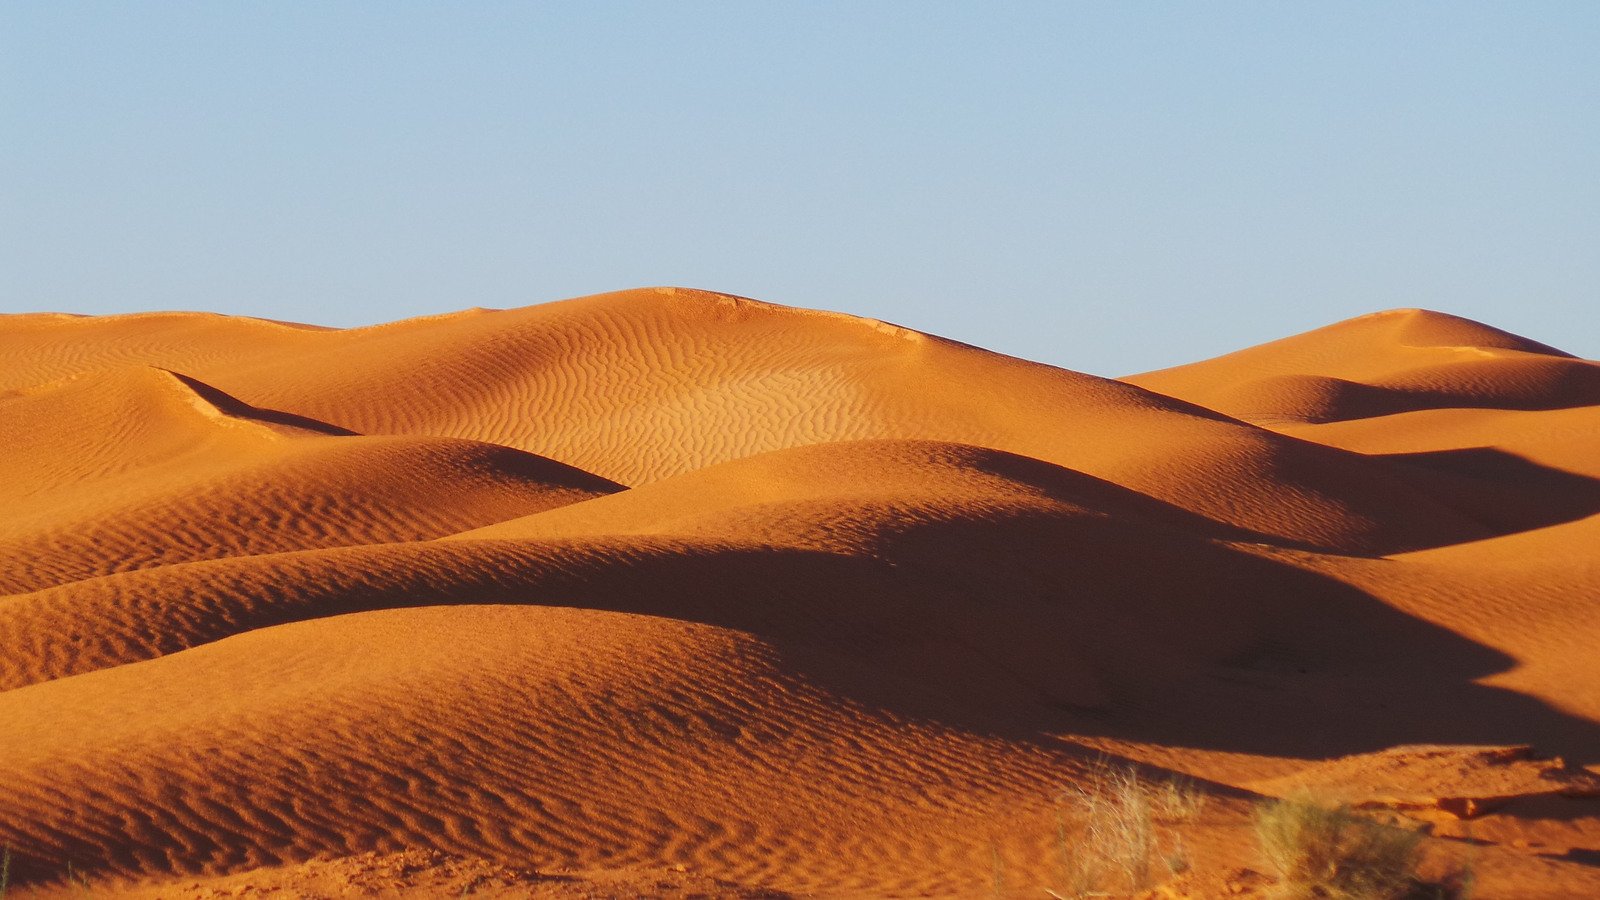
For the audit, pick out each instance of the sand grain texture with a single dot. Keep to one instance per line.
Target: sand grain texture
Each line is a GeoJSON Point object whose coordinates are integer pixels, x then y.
{"type": "Point", "coordinates": [667, 592]}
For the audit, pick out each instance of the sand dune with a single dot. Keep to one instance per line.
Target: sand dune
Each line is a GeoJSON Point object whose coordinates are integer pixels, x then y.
{"type": "Point", "coordinates": [189, 473]}
{"type": "Point", "coordinates": [643, 385]}
{"type": "Point", "coordinates": [672, 585]}
{"type": "Point", "coordinates": [1380, 364]}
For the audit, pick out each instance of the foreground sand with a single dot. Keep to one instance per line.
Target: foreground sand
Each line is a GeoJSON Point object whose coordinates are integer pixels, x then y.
{"type": "Point", "coordinates": [669, 592]}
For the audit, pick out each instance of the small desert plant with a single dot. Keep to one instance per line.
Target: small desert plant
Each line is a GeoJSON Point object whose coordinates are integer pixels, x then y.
{"type": "Point", "coordinates": [1116, 831]}
{"type": "Point", "coordinates": [1329, 851]}
{"type": "Point", "coordinates": [1179, 800]}
{"type": "Point", "coordinates": [78, 880]}
{"type": "Point", "coordinates": [74, 879]}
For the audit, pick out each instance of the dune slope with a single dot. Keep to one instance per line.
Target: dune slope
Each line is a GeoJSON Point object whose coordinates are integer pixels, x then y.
{"type": "Point", "coordinates": [641, 385]}
{"type": "Point", "coordinates": [673, 582]}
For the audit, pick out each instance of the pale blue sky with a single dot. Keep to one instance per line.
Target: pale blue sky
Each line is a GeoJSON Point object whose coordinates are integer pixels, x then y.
{"type": "Point", "coordinates": [1110, 187]}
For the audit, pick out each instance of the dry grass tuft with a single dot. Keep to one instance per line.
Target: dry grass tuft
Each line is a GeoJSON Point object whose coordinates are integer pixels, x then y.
{"type": "Point", "coordinates": [1119, 834]}
{"type": "Point", "coordinates": [1329, 851]}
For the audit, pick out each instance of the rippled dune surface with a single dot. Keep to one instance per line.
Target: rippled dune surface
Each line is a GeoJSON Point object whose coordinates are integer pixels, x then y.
{"type": "Point", "coordinates": [675, 593]}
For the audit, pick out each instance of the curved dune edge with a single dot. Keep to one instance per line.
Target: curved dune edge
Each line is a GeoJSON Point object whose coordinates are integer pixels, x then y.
{"type": "Point", "coordinates": [1383, 363]}
{"type": "Point", "coordinates": [667, 591]}
{"type": "Point", "coordinates": [642, 385]}
{"type": "Point", "coordinates": [733, 765]}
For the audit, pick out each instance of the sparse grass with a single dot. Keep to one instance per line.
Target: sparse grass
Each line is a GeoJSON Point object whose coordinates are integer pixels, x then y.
{"type": "Point", "coordinates": [1118, 833]}
{"type": "Point", "coordinates": [1121, 834]}
{"type": "Point", "coordinates": [75, 878]}
{"type": "Point", "coordinates": [78, 880]}
{"type": "Point", "coordinates": [1327, 851]}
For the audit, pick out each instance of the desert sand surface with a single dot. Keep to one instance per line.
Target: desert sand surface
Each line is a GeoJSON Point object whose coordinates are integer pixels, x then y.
{"type": "Point", "coordinates": [672, 593]}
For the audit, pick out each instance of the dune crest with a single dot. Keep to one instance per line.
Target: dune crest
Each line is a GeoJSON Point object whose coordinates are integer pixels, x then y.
{"type": "Point", "coordinates": [670, 590]}
{"type": "Point", "coordinates": [1384, 363]}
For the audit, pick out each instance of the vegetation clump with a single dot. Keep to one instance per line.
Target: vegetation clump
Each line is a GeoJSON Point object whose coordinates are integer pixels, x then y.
{"type": "Point", "coordinates": [1118, 833]}
{"type": "Point", "coordinates": [1330, 852]}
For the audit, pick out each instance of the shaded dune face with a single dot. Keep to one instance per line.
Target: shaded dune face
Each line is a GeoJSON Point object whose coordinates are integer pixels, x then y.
{"type": "Point", "coordinates": [798, 600]}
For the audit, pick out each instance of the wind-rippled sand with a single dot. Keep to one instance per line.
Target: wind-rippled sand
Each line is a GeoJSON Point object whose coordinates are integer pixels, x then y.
{"type": "Point", "coordinates": [670, 592]}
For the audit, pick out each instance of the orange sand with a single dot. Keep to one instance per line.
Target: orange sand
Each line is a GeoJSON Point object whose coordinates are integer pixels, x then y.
{"type": "Point", "coordinates": [670, 591]}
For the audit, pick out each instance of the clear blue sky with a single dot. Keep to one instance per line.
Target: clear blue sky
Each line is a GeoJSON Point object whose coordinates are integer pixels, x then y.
{"type": "Point", "coordinates": [1110, 187]}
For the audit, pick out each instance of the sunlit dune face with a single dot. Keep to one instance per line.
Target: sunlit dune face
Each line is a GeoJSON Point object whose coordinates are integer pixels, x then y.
{"type": "Point", "coordinates": [667, 587]}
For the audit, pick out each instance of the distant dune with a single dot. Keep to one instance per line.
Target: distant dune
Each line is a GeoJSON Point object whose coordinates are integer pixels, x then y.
{"type": "Point", "coordinates": [671, 592]}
